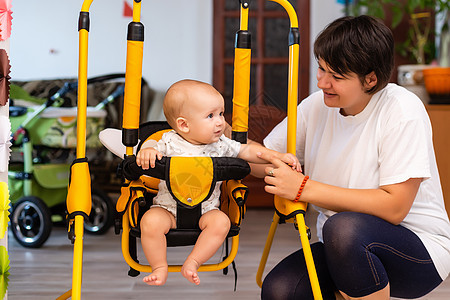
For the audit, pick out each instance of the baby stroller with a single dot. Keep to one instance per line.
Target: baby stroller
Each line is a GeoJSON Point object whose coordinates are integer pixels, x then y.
{"type": "Point", "coordinates": [43, 141]}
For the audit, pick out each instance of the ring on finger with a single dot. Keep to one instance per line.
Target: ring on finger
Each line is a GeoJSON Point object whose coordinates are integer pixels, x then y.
{"type": "Point", "coordinates": [270, 173]}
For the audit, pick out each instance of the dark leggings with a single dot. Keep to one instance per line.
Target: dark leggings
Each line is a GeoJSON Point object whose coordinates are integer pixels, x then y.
{"type": "Point", "coordinates": [360, 255]}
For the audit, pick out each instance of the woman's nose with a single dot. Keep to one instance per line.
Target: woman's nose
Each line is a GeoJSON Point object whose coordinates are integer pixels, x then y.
{"type": "Point", "coordinates": [323, 80]}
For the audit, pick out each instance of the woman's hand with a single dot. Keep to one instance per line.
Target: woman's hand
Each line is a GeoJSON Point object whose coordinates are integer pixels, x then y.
{"type": "Point", "coordinates": [281, 179]}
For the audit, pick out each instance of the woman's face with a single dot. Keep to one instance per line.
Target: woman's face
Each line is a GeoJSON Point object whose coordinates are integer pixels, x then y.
{"type": "Point", "coordinates": [346, 92]}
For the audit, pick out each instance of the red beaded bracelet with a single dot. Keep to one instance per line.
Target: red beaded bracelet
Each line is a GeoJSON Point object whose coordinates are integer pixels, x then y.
{"type": "Point", "coordinates": [300, 190]}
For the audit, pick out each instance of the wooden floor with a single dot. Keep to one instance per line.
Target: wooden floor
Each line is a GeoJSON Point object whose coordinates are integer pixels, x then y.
{"type": "Point", "coordinates": [46, 273]}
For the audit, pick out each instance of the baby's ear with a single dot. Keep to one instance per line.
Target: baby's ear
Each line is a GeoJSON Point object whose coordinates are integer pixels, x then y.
{"type": "Point", "coordinates": [182, 125]}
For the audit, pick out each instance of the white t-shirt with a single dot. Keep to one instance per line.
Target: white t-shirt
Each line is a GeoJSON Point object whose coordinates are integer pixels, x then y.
{"type": "Point", "coordinates": [388, 142]}
{"type": "Point", "coordinates": [172, 144]}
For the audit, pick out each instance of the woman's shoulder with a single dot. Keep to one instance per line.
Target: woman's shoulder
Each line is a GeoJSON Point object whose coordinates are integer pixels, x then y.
{"type": "Point", "coordinates": [401, 102]}
{"type": "Point", "coordinates": [396, 94]}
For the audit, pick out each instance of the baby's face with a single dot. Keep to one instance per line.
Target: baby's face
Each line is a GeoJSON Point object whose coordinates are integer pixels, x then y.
{"type": "Point", "coordinates": [205, 118]}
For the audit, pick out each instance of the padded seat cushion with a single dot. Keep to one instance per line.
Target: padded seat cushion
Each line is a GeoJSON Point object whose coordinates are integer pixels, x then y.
{"type": "Point", "coordinates": [184, 237]}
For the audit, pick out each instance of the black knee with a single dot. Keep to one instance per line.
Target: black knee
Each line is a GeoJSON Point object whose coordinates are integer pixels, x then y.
{"type": "Point", "coordinates": [342, 232]}
{"type": "Point", "coordinates": [274, 287]}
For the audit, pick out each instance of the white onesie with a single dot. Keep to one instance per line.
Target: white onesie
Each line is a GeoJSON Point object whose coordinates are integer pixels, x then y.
{"type": "Point", "coordinates": [172, 144]}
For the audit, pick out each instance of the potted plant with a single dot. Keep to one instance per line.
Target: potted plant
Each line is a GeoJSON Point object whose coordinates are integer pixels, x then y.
{"type": "Point", "coordinates": [418, 44]}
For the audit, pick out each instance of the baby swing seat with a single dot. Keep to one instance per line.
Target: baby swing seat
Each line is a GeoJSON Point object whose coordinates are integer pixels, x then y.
{"type": "Point", "coordinates": [190, 180]}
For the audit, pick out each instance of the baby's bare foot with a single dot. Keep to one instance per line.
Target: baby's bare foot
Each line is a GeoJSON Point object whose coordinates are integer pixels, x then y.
{"type": "Point", "coordinates": [189, 271]}
{"type": "Point", "coordinates": [157, 277]}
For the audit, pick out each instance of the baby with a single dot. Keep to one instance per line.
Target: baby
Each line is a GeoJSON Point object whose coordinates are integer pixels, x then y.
{"type": "Point", "coordinates": [195, 110]}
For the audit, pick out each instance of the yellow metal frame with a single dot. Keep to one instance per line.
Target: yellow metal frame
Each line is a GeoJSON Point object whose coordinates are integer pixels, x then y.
{"type": "Point", "coordinates": [172, 268]}
{"type": "Point", "coordinates": [241, 87]}
{"type": "Point", "coordinates": [285, 205]}
{"type": "Point", "coordinates": [131, 122]}
{"type": "Point", "coordinates": [133, 76]}
{"type": "Point", "coordinates": [82, 205]}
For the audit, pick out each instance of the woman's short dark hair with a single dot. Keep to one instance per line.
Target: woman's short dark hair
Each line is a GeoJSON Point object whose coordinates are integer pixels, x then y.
{"type": "Point", "coordinates": [358, 45]}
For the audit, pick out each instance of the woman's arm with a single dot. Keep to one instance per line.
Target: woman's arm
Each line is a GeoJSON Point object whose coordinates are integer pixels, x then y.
{"type": "Point", "coordinates": [390, 202]}
{"type": "Point", "coordinates": [252, 150]}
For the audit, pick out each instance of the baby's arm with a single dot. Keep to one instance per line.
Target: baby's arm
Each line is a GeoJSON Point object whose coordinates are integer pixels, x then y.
{"type": "Point", "coordinates": [146, 157]}
{"type": "Point", "coordinates": [251, 153]}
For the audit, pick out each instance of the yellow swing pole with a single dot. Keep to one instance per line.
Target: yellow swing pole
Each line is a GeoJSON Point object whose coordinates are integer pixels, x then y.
{"type": "Point", "coordinates": [131, 108]}
{"type": "Point", "coordinates": [130, 132]}
{"type": "Point", "coordinates": [241, 90]}
{"type": "Point", "coordinates": [133, 78]}
{"type": "Point", "coordinates": [281, 204]}
{"type": "Point", "coordinates": [79, 191]}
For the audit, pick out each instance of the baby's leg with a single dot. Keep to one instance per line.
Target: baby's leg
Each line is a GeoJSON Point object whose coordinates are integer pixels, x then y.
{"type": "Point", "coordinates": [215, 226]}
{"type": "Point", "coordinates": [155, 223]}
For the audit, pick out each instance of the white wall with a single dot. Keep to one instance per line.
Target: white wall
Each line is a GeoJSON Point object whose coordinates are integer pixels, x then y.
{"type": "Point", "coordinates": [178, 38]}
{"type": "Point", "coordinates": [322, 13]}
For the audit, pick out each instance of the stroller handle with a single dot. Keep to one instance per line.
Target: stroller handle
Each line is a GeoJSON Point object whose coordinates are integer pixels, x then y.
{"type": "Point", "coordinates": [70, 86]}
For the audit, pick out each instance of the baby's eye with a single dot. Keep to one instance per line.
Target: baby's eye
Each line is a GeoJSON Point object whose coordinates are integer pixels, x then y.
{"type": "Point", "coordinates": [221, 114]}
{"type": "Point", "coordinates": [210, 115]}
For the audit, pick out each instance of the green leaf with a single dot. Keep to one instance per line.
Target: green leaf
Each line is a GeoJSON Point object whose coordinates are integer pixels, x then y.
{"type": "Point", "coordinates": [4, 260]}
{"type": "Point", "coordinates": [378, 11]}
{"type": "Point", "coordinates": [397, 16]}
{"type": "Point", "coordinates": [4, 271]}
{"type": "Point", "coordinates": [413, 4]}
{"type": "Point", "coordinates": [3, 285]}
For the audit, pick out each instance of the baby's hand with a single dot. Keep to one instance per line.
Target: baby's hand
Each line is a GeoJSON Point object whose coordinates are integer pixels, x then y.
{"type": "Point", "coordinates": [292, 161]}
{"type": "Point", "coordinates": [146, 157]}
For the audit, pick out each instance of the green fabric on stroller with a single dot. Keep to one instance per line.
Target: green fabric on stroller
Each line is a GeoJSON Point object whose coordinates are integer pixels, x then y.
{"type": "Point", "coordinates": [56, 126]}
{"type": "Point", "coordinates": [53, 126]}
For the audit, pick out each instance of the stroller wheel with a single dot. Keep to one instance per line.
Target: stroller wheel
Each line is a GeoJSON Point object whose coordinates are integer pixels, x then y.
{"type": "Point", "coordinates": [31, 222]}
{"type": "Point", "coordinates": [102, 213]}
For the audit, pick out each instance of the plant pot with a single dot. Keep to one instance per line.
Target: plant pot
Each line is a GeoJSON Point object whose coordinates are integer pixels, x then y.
{"type": "Point", "coordinates": [437, 83]}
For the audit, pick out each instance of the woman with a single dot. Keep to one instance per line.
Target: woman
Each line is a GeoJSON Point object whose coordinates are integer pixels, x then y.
{"type": "Point", "coordinates": [367, 148]}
